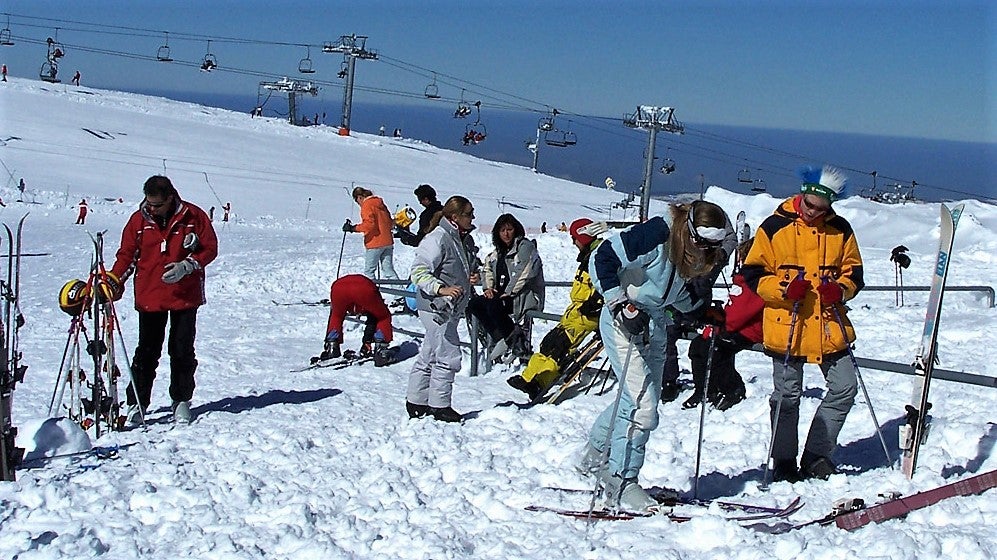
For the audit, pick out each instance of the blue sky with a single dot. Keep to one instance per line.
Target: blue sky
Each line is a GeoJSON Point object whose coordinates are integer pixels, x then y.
{"type": "Point", "coordinates": [915, 69]}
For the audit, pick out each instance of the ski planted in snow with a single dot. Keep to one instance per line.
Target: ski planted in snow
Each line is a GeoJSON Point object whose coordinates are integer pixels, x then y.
{"type": "Point", "coordinates": [914, 432]}
{"type": "Point", "coordinates": [11, 370]}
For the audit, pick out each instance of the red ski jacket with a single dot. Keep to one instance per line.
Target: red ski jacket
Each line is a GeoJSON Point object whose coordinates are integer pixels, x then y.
{"type": "Point", "coordinates": [355, 294]}
{"type": "Point", "coordinates": [146, 249]}
{"type": "Point", "coordinates": [744, 311]}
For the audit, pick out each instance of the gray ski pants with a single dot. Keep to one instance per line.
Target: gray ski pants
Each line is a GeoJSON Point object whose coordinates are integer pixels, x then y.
{"type": "Point", "coordinates": [431, 379]}
{"type": "Point", "coordinates": [842, 386]}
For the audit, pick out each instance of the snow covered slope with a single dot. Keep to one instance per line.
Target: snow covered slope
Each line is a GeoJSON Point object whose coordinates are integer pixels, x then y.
{"type": "Point", "coordinates": [325, 464]}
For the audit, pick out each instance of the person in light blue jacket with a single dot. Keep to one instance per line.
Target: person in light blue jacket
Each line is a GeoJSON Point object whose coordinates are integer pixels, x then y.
{"type": "Point", "coordinates": [642, 271]}
{"type": "Point", "coordinates": [444, 270]}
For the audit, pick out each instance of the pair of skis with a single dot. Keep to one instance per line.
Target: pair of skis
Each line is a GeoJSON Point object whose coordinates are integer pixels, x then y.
{"type": "Point", "coordinates": [348, 359]}
{"type": "Point", "coordinates": [11, 369]}
{"type": "Point", "coordinates": [741, 512]}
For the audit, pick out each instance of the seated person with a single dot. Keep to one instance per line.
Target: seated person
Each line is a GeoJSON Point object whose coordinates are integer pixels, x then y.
{"type": "Point", "coordinates": [513, 283]}
{"type": "Point", "coordinates": [560, 345]}
{"type": "Point", "coordinates": [740, 324]}
{"type": "Point", "coordinates": [355, 294]}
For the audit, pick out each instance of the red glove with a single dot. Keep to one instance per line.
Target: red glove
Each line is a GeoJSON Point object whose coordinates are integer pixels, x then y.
{"type": "Point", "coordinates": [798, 289]}
{"type": "Point", "coordinates": [830, 293]}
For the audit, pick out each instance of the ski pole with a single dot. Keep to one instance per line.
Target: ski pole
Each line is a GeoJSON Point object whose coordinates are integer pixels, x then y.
{"type": "Point", "coordinates": [702, 408]}
{"type": "Point", "coordinates": [604, 462]}
{"type": "Point", "coordinates": [865, 393]}
{"type": "Point", "coordinates": [342, 246]}
{"type": "Point", "coordinates": [778, 405]}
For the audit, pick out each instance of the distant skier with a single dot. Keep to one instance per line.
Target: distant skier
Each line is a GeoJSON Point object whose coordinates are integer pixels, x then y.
{"type": "Point", "coordinates": [76, 78]}
{"type": "Point", "coordinates": [226, 208]}
{"type": "Point", "coordinates": [211, 213]}
{"type": "Point", "coordinates": [82, 217]}
{"type": "Point", "coordinates": [3, 70]}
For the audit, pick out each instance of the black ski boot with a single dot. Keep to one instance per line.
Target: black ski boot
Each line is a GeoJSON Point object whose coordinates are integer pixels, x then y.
{"type": "Point", "coordinates": [446, 414]}
{"type": "Point", "coordinates": [693, 401]}
{"type": "Point", "coordinates": [531, 388]}
{"type": "Point", "coordinates": [815, 466]}
{"type": "Point", "coordinates": [670, 391]}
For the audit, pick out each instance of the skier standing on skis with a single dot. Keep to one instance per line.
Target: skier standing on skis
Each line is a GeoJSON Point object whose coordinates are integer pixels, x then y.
{"type": "Point", "coordinates": [513, 284]}
{"type": "Point", "coordinates": [640, 272]}
{"type": "Point", "coordinates": [166, 244]}
{"type": "Point", "coordinates": [805, 259]}
{"type": "Point", "coordinates": [444, 270]}
{"type": "Point", "coordinates": [579, 319]}
{"type": "Point", "coordinates": [355, 294]}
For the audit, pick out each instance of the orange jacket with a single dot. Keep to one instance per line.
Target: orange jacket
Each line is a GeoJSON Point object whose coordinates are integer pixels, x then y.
{"type": "Point", "coordinates": [784, 247]}
{"type": "Point", "coordinates": [375, 223]}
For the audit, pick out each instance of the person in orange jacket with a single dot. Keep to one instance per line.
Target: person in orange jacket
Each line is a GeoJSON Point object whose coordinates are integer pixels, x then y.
{"type": "Point", "coordinates": [376, 226]}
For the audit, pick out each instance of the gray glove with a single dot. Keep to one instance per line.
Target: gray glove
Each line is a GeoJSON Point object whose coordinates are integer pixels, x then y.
{"type": "Point", "coordinates": [176, 271]}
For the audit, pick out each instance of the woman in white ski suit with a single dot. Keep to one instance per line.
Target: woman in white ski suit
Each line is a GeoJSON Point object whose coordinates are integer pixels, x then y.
{"type": "Point", "coordinates": [646, 265]}
{"type": "Point", "coordinates": [443, 270]}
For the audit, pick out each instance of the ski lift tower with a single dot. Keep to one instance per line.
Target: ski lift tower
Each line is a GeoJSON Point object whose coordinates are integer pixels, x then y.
{"type": "Point", "coordinates": [353, 47]}
{"type": "Point", "coordinates": [292, 88]}
{"type": "Point", "coordinates": [652, 119]}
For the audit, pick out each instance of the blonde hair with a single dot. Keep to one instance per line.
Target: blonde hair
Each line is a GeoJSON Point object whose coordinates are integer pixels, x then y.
{"type": "Point", "coordinates": [455, 205]}
{"type": "Point", "coordinates": [689, 259]}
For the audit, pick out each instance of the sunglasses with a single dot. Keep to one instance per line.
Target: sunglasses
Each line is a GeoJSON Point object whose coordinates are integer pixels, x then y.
{"type": "Point", "coordinates": [697, 239]}
{"type": "Point", "coordinates": [155, 205]}
{"type": "Point", "coordinates": [815, 208]}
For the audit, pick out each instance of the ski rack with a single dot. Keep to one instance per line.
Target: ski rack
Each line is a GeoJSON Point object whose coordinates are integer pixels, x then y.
{"type": "Point", "coordinates": [103, 408]}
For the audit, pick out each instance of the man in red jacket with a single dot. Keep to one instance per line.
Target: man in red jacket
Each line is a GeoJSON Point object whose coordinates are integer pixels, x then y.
{"type": "Point", "coordinates": [355, 294]}
{"type": "Point", "coordinates": [166, 244]}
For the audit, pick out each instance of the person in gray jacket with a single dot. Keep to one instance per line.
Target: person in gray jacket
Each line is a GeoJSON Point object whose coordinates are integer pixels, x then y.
{"type": "Point", "coordinates": [444, 270]}
{"type": "Point", "coordinates": [513, 285]}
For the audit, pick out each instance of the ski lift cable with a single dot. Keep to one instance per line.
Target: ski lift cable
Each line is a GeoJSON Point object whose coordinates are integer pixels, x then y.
{"type": "Point", "coordinates": [143, 32]}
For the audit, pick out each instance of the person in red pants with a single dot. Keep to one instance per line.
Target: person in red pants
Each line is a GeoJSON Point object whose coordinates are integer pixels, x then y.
{"type": "Point", "coordinates": [355, 294]}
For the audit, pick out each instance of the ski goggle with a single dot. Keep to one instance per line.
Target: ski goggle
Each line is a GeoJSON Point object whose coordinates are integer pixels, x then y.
{"type": "Point", "coordinates": [705, 236]}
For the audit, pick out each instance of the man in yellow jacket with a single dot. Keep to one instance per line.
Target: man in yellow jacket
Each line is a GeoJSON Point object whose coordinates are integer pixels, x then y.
{"type": "Point", "coordinates": [805, 263]}
{"type": "Point", "coordinates": [579, 319]}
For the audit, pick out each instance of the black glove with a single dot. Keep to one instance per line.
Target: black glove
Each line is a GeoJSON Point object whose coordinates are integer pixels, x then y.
{"type": "Point", "coordinates": [632, 320]}
{"type": "Point", "coordinates": [899, 256]}
{"type": "Point", "coordinates": [592, 306]}
{"type": "Point", "coordinates": [348, 227]}
{"type": "Point", "coordinates": [715, 314]}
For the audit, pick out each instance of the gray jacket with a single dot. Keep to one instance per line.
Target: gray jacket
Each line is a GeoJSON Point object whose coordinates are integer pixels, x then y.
{"type": "Point", "coordinates": [526, 276]}
{"type": "Point", "coordinates": [443, 259]}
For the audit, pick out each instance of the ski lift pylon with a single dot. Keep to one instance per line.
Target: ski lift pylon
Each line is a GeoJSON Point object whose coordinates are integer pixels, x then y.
{"type": "Point", "coordinates": [163, 53]}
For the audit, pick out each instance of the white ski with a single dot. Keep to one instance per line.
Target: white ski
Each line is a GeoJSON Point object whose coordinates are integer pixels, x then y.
{"type": "Point", "coordinates": [914, 432]}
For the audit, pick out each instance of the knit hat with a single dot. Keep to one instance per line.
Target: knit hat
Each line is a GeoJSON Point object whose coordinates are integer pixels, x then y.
{"type": "Point", "coordinates": [582, 238]}
{"type": "Point", "coordinates": [826, 182]}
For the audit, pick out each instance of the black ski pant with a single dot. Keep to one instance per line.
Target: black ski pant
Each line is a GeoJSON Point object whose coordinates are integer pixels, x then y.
{"type": "Point", "coordinates": [180, 347]}
{"type": "Point", "coordinates": [724, 378]}
{"type": "Point", "coordinates": [493, 314]}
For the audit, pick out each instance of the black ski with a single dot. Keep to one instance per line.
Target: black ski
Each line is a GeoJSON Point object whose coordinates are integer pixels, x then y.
{"type": "Point", "coordinates": [11, 370]}
{"type": "Point", "coordinates": [667, 497]}
{"type": "Point", "coordinates": [607, 514]}
{"type": "Point", "coordinates": [319, 303]}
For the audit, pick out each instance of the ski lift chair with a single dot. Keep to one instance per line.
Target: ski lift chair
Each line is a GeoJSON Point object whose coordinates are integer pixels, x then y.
{"type": "Point", "coordinates": [546, 124]}
{"type": "Point", "coordinates": [555, 138]}
{"type": "Point", "coordinates": [474, 133]}
{"type": "Point", "coordinates": [570, 139]}
{"type": "Point", "coordinates": [744, 176]}
{"type": "Point", "coordinates": [305, 64]}
{"type": "Point", "coordinates": [48, 72]}
{"type": "Point", "coordinates": [432, 90]}
{"type": "Point", "coordinates": [5, 37]}
{"type": "Point", "coordinates": [668, 167]}
{"type": "Point", "coordinates": [210, 62]}
{"type": "Point", "coordinates": [163, 53]}
{"type": "Point", "coordinates": [759, 186]}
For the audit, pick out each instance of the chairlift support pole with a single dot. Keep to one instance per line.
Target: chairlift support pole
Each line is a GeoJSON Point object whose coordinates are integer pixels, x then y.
{"type": "Point", "coordinates": [292, 88]}
{"type": "Point", "coordinates": [652, 119]}
{"type": "Point", "coordinates": [353, 47]}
